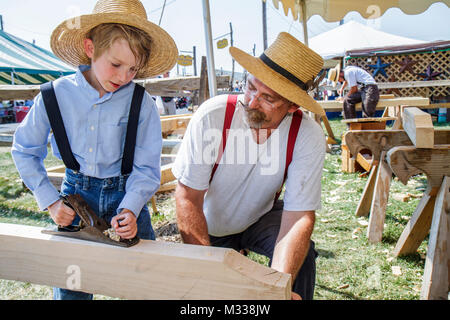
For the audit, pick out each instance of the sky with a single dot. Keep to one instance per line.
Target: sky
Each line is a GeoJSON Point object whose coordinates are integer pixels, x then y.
{"type": "Point", "coordinates": [183, 20]}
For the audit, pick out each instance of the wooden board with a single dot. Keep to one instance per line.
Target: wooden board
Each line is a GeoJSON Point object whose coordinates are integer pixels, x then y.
{"type": "Point", "coordinates": [175, 125]}
{"type": "Point", "coordinates": [367, 126]}
{"type": "Point", "coordinates": [383, 140]}
{"type": "Point", "coordinates": [379, 202]}
{"type": "Point", "coordinates": [419, 127]}
{"type": "Point", "coordinates": [334, 105]}
{"type": "Point", "coordinates": [373, 119]}
{"type": "Point", "coordinates": [435, 283]}
{"type": "Point", "coordinates": [418, 226]}
{"type": "Point", "coordinates": [365, 202]}
{"type": "Point", "coordinates": [407, 161]}
{"type": "Point", "coordinates": [148, 270]}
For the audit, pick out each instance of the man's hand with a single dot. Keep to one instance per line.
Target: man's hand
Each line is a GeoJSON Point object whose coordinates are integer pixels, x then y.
{"type": "Point", "coordinates": [125, 224]}
{"type": "Point", "coordinates": [340, 99]}
{"type": "Point", "coordinates": [295, 296]}
{"type": "Point", "coordinates": [61, 214]}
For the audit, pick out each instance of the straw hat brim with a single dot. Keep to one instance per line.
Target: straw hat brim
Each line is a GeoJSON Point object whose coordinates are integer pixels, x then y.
{"type": "Point", "coordinates": [336, 69]}
{"type": "Point", "coordinates": [276, 81]}
{"type": "Point", "coordinates": [67, 41]}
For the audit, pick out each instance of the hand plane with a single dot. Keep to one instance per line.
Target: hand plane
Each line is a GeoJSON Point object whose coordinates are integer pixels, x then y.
{"type": "Point", "coordinates": [91, 227]}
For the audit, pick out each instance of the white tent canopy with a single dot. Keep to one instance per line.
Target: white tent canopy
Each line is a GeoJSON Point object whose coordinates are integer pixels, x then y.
{"type": "Point", "coordinates": [354, 35]}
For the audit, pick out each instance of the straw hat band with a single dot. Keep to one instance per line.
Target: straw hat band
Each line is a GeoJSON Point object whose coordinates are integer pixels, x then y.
{"type": "Point", "coordinates": [279, 69]}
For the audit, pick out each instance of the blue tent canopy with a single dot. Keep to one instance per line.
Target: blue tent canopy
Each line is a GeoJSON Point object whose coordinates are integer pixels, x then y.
{"type": "Point", "coordinates": [22, 62]}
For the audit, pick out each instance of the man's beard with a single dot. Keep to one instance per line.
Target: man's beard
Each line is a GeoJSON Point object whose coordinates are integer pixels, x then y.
{"type": "Point", "coordinates": [255, 118]}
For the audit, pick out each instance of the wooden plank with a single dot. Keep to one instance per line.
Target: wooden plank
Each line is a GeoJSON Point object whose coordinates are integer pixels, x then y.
{"type": "Point", "coordinates": [175, 125]}
{"type": "Point", "coordinates": [166, 173]}
{"type": "Point", "coordinates": [384, 140]}
{"type": "Point", "coordinates": [367, 126]}
{"type": "Point", "coordinates": [365, 202]}
{"type": "Point", "coordinates": [418, 226]}
{"type": "Point", "coordinates": [331, 138]}
{"type": "Point", "coordinates": [435, 283]}
{"type": "Point", "coordinates": [148, 270]}
{"type": "Point", "coordinates": [203, 93]}
{"type": "Point", "coordinates": [334, 105]}
{"type": "Point", "coordinates": [406, 161]}
{"type": "Point", "coordinates": [366, 164]}
{"type": "Point", "coordinates": [373, 119]}
{"type": "Point", "coordinates": [379, 202]}
{"type": "Point", "coordinates": [413, 84]}
{"type": "Point", "coordinates": [419, 127]}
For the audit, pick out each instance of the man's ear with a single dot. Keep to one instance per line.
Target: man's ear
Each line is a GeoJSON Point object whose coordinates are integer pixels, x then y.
{"type": "Point", "coordinates": [293, 107]}
{"type": "Point", "coordinates": [89, 48]}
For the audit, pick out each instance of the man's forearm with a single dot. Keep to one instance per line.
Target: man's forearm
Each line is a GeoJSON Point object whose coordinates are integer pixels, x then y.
{"type": "Point", "coordinates": [293, 242]}
{"type": "Point", "coordinates": [191, 220]}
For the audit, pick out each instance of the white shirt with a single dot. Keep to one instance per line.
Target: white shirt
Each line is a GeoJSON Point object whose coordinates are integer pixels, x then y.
{"type": "Point", "coordinates": [355, 75]}
{"type": "Point", "coordinates": [249, 175]}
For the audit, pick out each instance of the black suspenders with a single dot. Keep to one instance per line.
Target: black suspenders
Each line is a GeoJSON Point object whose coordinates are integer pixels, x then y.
{"type": "Point", "coordinates": [59, 131]}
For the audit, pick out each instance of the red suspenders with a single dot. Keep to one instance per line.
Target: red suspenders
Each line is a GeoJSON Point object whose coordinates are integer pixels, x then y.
{"type": "Point", "coordinates": [293, 131]}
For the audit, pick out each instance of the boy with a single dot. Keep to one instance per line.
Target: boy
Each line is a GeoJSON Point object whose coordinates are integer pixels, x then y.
{"type": "Point", "coordinates": [108, 132]}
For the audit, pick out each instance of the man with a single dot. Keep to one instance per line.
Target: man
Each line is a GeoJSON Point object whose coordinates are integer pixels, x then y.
{"type": "Point", "coordinates": [221, 201]}
{"type": "Point", "coordinates": [368, 93]}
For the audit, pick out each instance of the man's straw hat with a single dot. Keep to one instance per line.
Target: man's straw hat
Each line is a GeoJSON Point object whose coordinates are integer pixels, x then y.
{"type": "Point", "coordinates": [288, 67]}
{"type": "Point", "coordinates": [67, 38]}
{"type": "Point", "coordinates": [333, 74]}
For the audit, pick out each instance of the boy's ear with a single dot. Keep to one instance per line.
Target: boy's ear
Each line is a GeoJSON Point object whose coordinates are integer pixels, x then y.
{"type": "Point", "coordinates": [89, 48]}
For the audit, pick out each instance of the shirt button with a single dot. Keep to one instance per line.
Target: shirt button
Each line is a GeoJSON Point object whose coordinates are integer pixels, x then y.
{"type": "Point", "coordinates": [91, 167]}
{"type": "Point", "coordinates": [92, 128]}
{"type": "Point", "coordinates": [90, 149]}
{"type": "Point", "coordinates": [95, 106]}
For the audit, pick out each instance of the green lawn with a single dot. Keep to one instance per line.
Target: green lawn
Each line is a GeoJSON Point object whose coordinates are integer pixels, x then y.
{"type": "Point", "coordinates": [348, 267]}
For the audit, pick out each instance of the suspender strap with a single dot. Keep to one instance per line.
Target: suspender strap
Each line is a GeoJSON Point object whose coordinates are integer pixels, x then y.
{"type": "Point", "coordinates": [133, 121]}
{"type": "Point", "coordinates": [293, 132]}
{"type": "Point", "coordinates": [57, 125]}
{"type": "Point", "coordinates": [229, 112]}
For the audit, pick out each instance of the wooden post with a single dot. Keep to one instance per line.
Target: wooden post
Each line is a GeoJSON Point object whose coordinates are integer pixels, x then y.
{"type": "Point", "coordinates": [418, 226]}
{"type": "Point", "coordinates": [148, 270]}
{"type": "Point", "coordinates": [379, 202]}
{"type": "Point", "coordinates": [436, 275]}
{"type": "Point", "coordinates": [419, 127]}
{"type": "Point", "coordinates": [204, 89]}
{"type": "Point", "coordinates": [365, 202]}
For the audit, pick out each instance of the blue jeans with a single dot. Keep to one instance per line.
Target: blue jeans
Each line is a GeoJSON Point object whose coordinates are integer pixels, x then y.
{"type": "Point", "coordinates": [104, 197]}
{"type": "Point", "coordinates": [261, 236]}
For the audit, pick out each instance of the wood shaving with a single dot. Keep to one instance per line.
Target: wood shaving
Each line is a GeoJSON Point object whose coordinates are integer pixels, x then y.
{"type": "Point", "coordinates": [111, 233]}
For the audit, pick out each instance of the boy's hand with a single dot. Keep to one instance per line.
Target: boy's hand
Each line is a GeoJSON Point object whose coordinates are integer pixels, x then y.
{"type": "Point", "coordinates": [61, 214]}
{"type": "Point", "coordinates": [125, 224]}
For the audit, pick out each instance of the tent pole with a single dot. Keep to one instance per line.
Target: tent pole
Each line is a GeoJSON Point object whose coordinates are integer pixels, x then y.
{"type": "Point", "coordinates": [305, 23]}
{"type": "Point", "coordinates": [209, 49]}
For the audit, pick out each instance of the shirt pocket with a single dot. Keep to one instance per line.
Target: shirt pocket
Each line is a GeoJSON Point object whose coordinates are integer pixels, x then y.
{"type": "Point", "coordinates": [112, 140]}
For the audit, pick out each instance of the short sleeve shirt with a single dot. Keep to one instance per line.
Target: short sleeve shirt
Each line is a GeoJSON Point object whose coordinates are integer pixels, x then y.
{"type": "Point", "coordinates": [249, 174]}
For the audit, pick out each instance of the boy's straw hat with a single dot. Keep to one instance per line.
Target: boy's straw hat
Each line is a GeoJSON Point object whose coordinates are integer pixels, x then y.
{"type": "Point", "coordinates": [67, 38]}
{"type": "Point", "coordinates": [333, 74]}
{"type": "Point", "coordinates": [288, 67]}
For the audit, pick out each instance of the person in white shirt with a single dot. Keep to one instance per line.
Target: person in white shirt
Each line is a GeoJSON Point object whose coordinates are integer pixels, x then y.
{"type": "Point", "coordinates": [367, 93]}
{"type": "Point", "coordinates": [239, 150]}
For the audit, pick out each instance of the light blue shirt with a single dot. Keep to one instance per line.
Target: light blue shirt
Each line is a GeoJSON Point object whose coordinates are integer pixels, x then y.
{"type": "Point", "coordinates": [96, 129]}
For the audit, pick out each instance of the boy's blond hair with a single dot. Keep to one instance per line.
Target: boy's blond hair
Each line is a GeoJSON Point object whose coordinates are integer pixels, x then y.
{"type": "Point", "coordinates": [104, 35]}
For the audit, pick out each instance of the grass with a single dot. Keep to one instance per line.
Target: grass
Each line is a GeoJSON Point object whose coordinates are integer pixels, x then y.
{"type": "Point", "coordinates": [348, 266]}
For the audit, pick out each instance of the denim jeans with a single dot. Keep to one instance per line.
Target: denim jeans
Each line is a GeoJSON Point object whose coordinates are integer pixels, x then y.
{"type": "Point", "coordinates": [261, 236]}
{"type": "Point", "coordinates": [104, 197]}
